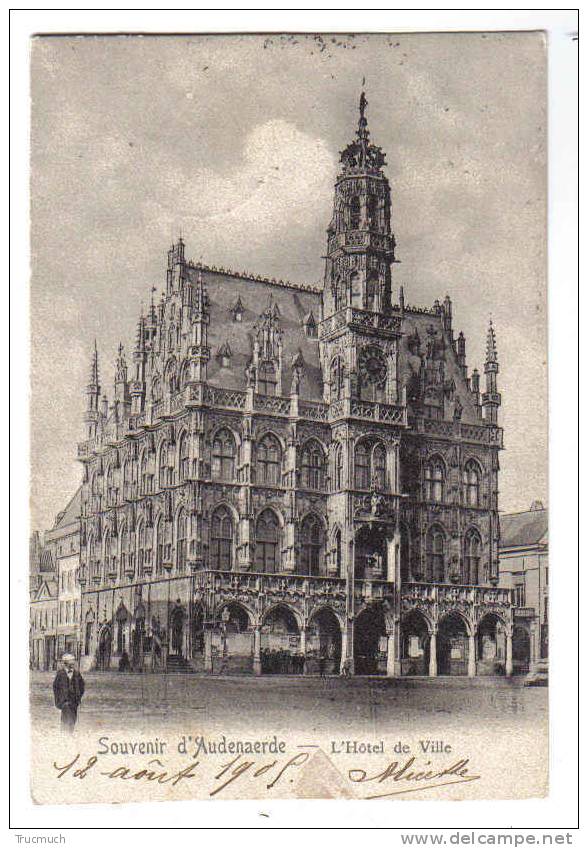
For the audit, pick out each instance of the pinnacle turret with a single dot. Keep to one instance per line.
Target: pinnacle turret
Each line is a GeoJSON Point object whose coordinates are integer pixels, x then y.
{"type": "Point", "coordinates": [491, 354]}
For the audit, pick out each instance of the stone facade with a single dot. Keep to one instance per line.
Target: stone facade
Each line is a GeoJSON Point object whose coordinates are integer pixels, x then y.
{"type": "Point", "coordinates": [524, 570]}
{"type": "Point", "coordinates": [291, 478]}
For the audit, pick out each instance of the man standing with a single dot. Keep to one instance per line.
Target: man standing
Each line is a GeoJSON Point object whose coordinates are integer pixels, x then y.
{"type": "Point", "coordinates": [68, 688]}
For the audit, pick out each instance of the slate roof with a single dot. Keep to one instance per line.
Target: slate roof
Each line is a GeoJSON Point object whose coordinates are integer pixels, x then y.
{"type": "Point", "coordinates": [72, 511]}
{"type": "Point", "coordinates": [224, 289]}
{"type": "Point", "coordinates": [522, 529]}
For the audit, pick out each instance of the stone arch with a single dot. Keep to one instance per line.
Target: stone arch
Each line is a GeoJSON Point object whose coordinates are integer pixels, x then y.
{"type": "Point", "coordinates": [104, 648]}
{"type": "Point", "coordinates": [491, 643]}
{"type": "Point", "coordinates": [241, 617]}
{"type": "Point", "coordinates": [415, 642]}
{"type": "Point", "coordinates": [521, 648]}
{"type": "Point", "coordinates": [453, 644]}
{"type": "Point", "coordinates": [369, 629]}
{"type": "Point", "coordinates": [280, 646]}
{"type": "Point", "coordinates": [324, 640]}
{"type": "Point", "coordinates": [288, 610]}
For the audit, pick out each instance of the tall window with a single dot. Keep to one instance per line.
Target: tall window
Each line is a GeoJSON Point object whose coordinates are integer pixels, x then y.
{"type": "Point", "coordinates": [337, 378]}
{"type": "Point", "coordinates": [184, 457]}
{"type": "Point", "coordinates": [379, 472]}
{"type": "Point", "coordinates": [269, 460]}
{"type": "Point", "coordinates": [141, 539]}
{"type": "Point", "coordinates": [371, 293]}
{"type": "Point", "coordinates": [436, 554]}
{"type": "Point", "coordinates": [354, 213]}
{"type": "Point", "coordinates": [267, 536]}
{"type": "Point", "coordinates": [338, 467]}
{"type": "Point", "coordinates": [471, 483]}
{"type": "Point", "coordinates": [267, 381]}
{"type": "Point", "coordinates": [362, 466]}
{"type": "Point", "coordinates": [339, 294]}
{"type": "Point", "coordinates": [223, 456]}
{"type": "Point", "coordinates": [372, 210]}
{"type": "Point", "coordinates": [110, 485]}
{"type": "Point", "coordinates": [404, 554]}
{"type": "Point", "coordinates": [159, 543]}
{"type": "Point", "coordinates": [356, 299]}
{"type": "Point", "coordinates": [146, 475]}
{"type": "Point", "coordinates": [338, 551]}
{"type": "Point", "coordinates": [181, 543]}
{"type": "Point", "coordinates": [124, 550]}
{"type": "Point", "coordinates": [312, 466]}
{"type": "Point", "coordinates": [166, 465]}
{"type": "Point", "coordinates": [221, 539]}
{"type": "Point", "coordinates": [312, 537]}
{"type": "Point", "coordinates": [472, 550]}
{"type": "Point", "coordinates": [434, 480]}
{"type": "Point", "coordinates": [127, 479]}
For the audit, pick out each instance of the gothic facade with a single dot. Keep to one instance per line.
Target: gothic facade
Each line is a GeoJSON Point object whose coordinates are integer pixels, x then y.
{"type": "Point", "coordinates": [290, 478]}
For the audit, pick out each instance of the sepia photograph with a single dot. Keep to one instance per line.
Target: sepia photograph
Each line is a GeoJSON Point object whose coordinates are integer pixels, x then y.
{"type": "Point", "coordinates": [289, 515]}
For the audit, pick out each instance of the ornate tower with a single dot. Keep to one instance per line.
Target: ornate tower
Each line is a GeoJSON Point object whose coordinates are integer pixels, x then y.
{"type": "Point", "coordinates": [360, 248]}
{"type": "Point", "coordinates": [491, 399]}
{"type": "Point", "coordinates": [93, 396]}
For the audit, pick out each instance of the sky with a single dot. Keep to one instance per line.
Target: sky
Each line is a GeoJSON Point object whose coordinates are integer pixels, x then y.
{"type": "Point", "coordinates": [234, 142]}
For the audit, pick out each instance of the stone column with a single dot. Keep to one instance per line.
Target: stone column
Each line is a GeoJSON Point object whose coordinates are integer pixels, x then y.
{"type": "Point", "coordinates": [303, 647]}
{"type": "Point", "coordinates": [391, 658]}
{"type": "Point", "coordinates": [508, 664]}
{"type": "Point", "coordinates": [433, 653]}
{"type": "Point", "coordinates": [257, 650]}
{"type": "Point", "coordinates": [208, 649]}
{"type": "Point", "coordinates": [472, 669]}
{"type": "Point", "coordinates": [347, 647]}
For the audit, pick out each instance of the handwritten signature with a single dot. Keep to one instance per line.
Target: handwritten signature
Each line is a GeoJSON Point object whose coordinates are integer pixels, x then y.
{"type": "Point", "coordinates": [275, 772]}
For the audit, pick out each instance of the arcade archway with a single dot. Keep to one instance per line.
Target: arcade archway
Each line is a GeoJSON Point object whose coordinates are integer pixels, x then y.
{"type": "Point", "coordinates": [452, 646]}
{"type": "Point", "coordinates": [370, 641]}
{"type": "Point", "coordinates": [323, 643]}
{"type": "Point", "coordinates": [280, 642]}
{"type": "Point", "coordinates": [415, 644]}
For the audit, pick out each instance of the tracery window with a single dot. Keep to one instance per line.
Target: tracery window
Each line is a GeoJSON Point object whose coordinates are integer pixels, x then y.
{"type": "Point", "coordinates": [312, 466]}
{"type": "Point", "coordinates": [338, 468]}
{"type": "Point", "coordinates": [354, 213]}
{"type": "Point", "coordinates": [379, 467]}
{"type": "Point", "coordinates": [373, 212]}
{"type": "Point", "coordinates": [312, 545]}
{"type": "Point", "coordinates": [166, 465]}
{"type": "Point", "coordinates": [370, 466]}
{"type": "Point", "coordinates": [221, 539]}
{"type": "Point", "coordinates": [436, 554]}
{"type": "Point", "coordinates": [181, 542]}
{"type": "Point", "coordinates": [471, 483]}
{"type": "Point", "coordinates": [435, 480]}
{"type": "Point", "coordinates": [267, 380]}
{"type": "Point", "coordinates": [472, 551]}
{"type": "Point", "coordinates": [184, 457]}
{"type": "Point", "coordinates": [362, 466]}
{"type": "Point", "coordinates": [223, 456]}
{"type": "Point", "coordinates": [267, 538]}
{"type": "Point", "coordinates": [371, 293]}
{"type": "Point", "coordinates": [269, 460]}
{"type": "Point", "coordinates": [337, 379]}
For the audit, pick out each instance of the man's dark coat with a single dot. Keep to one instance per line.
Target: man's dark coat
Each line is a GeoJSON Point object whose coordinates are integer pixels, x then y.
{"type": "Point", "coordinates": [66, 691]}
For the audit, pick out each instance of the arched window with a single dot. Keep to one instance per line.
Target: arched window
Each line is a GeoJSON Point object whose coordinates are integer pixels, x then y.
{"type": "Point", "coordinates": [269, 461]}
{"type": "Point", "coordinates": [379, 467]}
{"type": "Point", "coordinates": [338, 467]}
{"type": "Point", "coordinates": [221, 539]}
{"type": "Point", "coordinates": [181, 542]}
{"type": "Point", "coordinates": [312, 466]}
{"type": "Point", "coordinates": [124, 550]}
{"type": "Point", "coordinates": [267, 381]}
{"type": "Point", "coordinates": [159, 543]}
{"type": "Point", "coordinates": [312, 546]}
{"type": "Point", "coordinates": [267, 538]}
{"type": "Point", "coordinates": [184, 457]}
{"type": "Point", "coordinates": [362, 466]}
{"type": "Point", "coordinates": [337, 378]}
{"type": "Point", "coordinates": [339, 294]}
{"type": "Point", "coordinates": [355, 285]}
{"type": "Point", "coordinates": [372, 210]}
{"type": "Point", "coordinates": [110, 557]}
{"type": "Point", "coordinates": [156, 389]}
{"type": "Point", "coordinates": [354, 213]}
{"type": "Point", "coordinates": [404, 554]}
{"type": "Point", "coordinates": [146, 475]}
{"type": "Point", "coordinates": [436, 554]}
{"type": "Point", "coordinates": [166, 465]}
{"type": "Point", "coordinates": [127, 479]}
{"type": "Point", "coordinates": [141, 540]}
{"type": "Point", "coordinates": [472, 551]}
{"type": "Point", "coordinates": [338, 551]}
{"type": "Point", "coordinates": [371, 293]}
{"type": "Point", "coordinates": [223, 456]}
{"type": "Point", "coordinates": [435, 480]}
{"type": "Point", "coordinates": [110, 485]}
{"type": "Point", "coordinates": [471, 483]}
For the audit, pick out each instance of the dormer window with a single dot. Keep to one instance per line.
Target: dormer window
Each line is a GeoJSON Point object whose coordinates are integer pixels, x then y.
{"type": "Point", "coordinates": [237, 310]}
{"type": "Point", "coordinates": [309, 324]}
{"type": "Point", "coordinates": [224, 355]}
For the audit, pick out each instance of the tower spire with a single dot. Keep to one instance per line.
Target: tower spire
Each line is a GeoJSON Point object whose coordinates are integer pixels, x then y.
{"type": "Point", "coordinates": [491, 399]}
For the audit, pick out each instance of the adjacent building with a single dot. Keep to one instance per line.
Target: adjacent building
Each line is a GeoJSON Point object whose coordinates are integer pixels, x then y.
{"type": "Point", "coordinates": [524, 569]}
{"type": "Point", "coordinates": [291, 477]}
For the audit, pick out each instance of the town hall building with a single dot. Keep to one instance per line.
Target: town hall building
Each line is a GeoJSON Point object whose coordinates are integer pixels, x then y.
{"type": "Point", "coordinates": [291, 478]}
